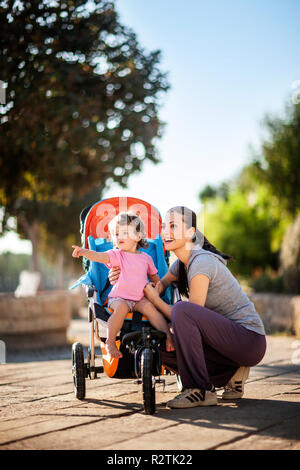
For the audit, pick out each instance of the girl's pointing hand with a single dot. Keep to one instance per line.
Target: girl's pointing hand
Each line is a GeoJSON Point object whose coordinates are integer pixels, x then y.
{"type": "Point", "coordinates": [76, 252]}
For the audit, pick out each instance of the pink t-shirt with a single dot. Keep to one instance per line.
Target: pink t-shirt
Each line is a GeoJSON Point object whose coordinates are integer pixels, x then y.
{"type": "Point", "coordinates": [135, 268]}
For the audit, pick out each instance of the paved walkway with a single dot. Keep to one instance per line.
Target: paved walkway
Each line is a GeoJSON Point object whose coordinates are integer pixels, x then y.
{"type": "Point", "coordinates": [39, 410]}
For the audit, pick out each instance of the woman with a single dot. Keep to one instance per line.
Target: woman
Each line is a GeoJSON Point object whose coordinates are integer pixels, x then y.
{"type": "Point", "coordinates": [218, 333]}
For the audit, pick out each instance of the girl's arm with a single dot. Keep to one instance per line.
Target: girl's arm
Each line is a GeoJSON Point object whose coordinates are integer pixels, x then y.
{"type": "Point", "coordinates": [154, 278]}
{"type": "Point", "coordinates": [90, 254]}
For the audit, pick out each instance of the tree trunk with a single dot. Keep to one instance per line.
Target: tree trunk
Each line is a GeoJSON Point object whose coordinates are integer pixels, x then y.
{"type": "Point", "coordinates": [34, 237]}
{"type": "Point", "coordinates": [290, 257]}
{"type": "Point", "coordinates": [32, 232]}
{"type": "Point", "coordinates": [60, 269]}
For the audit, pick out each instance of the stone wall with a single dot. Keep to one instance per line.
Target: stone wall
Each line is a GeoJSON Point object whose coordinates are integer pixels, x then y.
{"type": "Point", "coordinates": [37, 321]}
{"type": "Point", "coordinates": [79, 302]}
{"type": "Point", "coordinates": [279, 312]}
{"type": "Point", "coordinates": [43, 320]}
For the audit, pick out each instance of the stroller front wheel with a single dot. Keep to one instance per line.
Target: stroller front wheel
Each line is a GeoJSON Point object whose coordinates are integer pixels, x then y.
{"type": "Point", "coordinates": [78, 370]}
{"type": "Point", "coordinates": [148, 380]}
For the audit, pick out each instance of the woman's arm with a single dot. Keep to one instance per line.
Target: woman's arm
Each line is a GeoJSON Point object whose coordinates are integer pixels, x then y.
{"type": "Point", "coordinates": [113, 275]}
{"type": "Point", "coordinates": [165, 282]}
{"type": "Point", "coordinates": [198, 293]}
{"type": "Point", "coordinates": [198, 289]}
{"type": "Point", "coordinates": [90, 254]}
{"type": "Point", "coordinates": [152, 294]}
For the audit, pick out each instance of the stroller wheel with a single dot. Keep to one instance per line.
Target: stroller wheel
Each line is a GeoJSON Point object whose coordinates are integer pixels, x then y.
{"type": "Point", "coordinates": [148, 381]}
{"type": "Point", "coordinates": [78, 370]}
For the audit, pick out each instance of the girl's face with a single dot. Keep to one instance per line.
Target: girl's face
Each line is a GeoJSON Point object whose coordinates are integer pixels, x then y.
{"type": "Point", "coordinates": [126, 238]}
{"type": "Point", "coordinates": [174, 231]}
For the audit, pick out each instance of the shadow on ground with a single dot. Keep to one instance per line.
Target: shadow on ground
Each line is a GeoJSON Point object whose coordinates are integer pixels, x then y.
{"type": "Point", "coordinates": [265, 416]}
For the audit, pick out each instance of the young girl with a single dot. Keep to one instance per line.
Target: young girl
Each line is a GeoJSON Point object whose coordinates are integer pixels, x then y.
{"type": "Point", "coordinates": [127, 295]}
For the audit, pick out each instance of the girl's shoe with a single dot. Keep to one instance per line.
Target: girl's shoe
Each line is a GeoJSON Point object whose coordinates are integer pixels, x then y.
{"type": "Point", "coordinates": [235, 387]}
{"type": "Point", "coordinates": [192, 397]}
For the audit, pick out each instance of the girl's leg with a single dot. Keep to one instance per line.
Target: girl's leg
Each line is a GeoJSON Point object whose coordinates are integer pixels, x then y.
{"type": "Point", "coordinates": [210, 348]}
{"type": "Point", "coordinates": [114, 325]}
{"type": "Point", "coordinates": [156, 319]}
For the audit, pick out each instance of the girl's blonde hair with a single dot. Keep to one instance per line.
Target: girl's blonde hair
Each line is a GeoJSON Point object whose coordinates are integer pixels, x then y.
{"type": "Point", "coordinates": [130, 218]}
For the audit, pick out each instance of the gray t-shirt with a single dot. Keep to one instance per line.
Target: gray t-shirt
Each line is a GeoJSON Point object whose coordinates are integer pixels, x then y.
{"type": "Point", "coordinates": [225, 295]}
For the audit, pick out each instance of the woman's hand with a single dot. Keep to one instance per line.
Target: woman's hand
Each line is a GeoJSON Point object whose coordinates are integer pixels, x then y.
{"type": "Point", "coordinates": [159, 287]}
{"type": "Point", "coordinates": [151, 293]}
{"type": "Point", "coordinates": [113, 275]}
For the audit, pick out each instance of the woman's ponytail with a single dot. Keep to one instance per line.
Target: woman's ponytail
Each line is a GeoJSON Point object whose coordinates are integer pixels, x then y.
{"type": "Point", "coordinates": [209, 247]}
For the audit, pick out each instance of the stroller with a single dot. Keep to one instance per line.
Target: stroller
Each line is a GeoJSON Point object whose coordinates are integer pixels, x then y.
{"type": "Point", "coordinates": [138, 341]}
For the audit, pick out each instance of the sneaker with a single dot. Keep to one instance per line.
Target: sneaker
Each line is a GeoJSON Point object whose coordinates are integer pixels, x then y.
{"type": "Point", "coordinates": [193, 397]}
{"type": "Point", "coordinates": [235, 387]}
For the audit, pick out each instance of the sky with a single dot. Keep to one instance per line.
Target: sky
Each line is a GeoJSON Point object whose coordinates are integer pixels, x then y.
{"type": "Point", "coordinates": [228, 63]}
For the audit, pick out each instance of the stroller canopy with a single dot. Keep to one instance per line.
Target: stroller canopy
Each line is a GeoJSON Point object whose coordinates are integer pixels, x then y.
{"type": "Point", "coordinates": [100, 214]}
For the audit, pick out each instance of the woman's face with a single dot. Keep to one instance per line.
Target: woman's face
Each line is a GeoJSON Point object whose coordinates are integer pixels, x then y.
{"type": "Point", "coordinates": [174, 232]}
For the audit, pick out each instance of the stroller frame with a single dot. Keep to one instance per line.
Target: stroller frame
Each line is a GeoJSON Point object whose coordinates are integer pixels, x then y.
{"type": "Point", "coordinates": [139, 344]}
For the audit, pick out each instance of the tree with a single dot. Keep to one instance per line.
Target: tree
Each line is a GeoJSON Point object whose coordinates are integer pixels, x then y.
{"type": "Point", "coordinates": [249, 218]}
{"type": "Point", "coordinates": [242, 228]}
{"type": "Point", "coordinates": [278, 165]}
{"type": "Point", "coordinates": [82, 104]}
{"type": "Point", "coordinates": [249, 223]}
{"type": "Point", "coordinates": [208, 192]}
{"type": "Point", "coordinates": [290, 257]}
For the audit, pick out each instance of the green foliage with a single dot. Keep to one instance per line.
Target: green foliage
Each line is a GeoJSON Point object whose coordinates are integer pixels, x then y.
{"type": "Point", "coordinates": [242, 228]}
{"type": "Point", "coordinates": [279, 163]}
{"type": "Point", "coordinates": [267, 282]}
{"type": "Point", "coordinates": [207, 193]}
{"type": "Point", "coordinates": [210, 193]}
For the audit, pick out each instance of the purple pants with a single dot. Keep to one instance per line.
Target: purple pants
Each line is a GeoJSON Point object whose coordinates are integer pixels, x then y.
{"type": "Point", "coordinates": [209, 347]}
